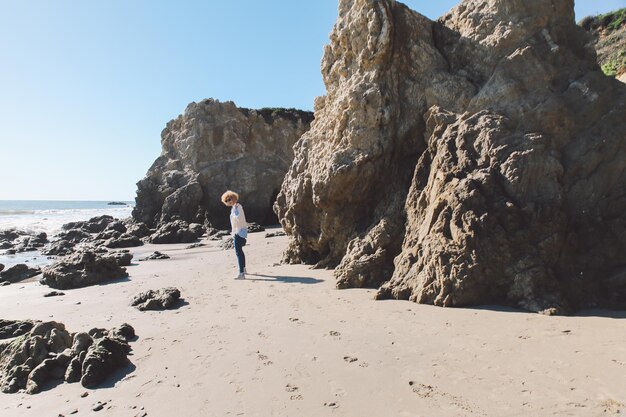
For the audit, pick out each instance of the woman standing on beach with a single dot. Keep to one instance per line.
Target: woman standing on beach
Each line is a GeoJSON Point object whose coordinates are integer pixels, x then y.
{"type": "Point", "coordinates": [240, 228]}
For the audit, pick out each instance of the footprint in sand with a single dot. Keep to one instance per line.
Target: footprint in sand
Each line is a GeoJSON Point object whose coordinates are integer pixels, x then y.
{"type": "Point", "coordinates": [350, 359]}
{"type": "Point", "coordinates": [443, 398]}
{"type": "Point", "coordinates": [291, 388]}
{"type": "Point", "coordinates": [264, 359]}
{"type": "Point", "coordinates": [334, 333]}
{"type": "Point", "coordinates": [611, 406]}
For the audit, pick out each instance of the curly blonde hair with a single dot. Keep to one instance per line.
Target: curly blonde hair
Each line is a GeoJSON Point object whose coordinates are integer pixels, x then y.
{"type": "Point", "coordinates": [230, 195]}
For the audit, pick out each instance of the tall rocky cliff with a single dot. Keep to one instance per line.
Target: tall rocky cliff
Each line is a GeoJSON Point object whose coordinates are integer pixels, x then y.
{"type": "Point", "coordinates": [213, 147]}
{"type": "Point", "coordinates": [480, 158]}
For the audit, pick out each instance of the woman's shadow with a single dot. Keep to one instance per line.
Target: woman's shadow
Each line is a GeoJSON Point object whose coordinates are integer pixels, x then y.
{"type": "Point", "coordinates": [286, 279]}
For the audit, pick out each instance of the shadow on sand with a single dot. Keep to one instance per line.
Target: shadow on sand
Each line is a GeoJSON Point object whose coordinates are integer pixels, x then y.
{"type": "Point", "coordinates": [117, 376]}
{"type": "Point", "coordinates": [289, 280]}
{"type": "Point", "coordinates": [109, 382]}
{"type": "Point", "coordinates": [596, 312]}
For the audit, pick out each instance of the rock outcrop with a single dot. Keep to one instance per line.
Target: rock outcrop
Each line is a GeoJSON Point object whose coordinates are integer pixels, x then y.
{"type": "Point", "coordinates": [177, 231]}
{"type": "Point", "coordinates": [160, 299]}
{"type": "Point", "coordinates": [42, 351]}
{"type": "Point", "coordinates": [14, 328]}
{"type": "Point", "coordinates": [213, 147]}
{"type": "Point", "coordinates": [123, 257]}
{"type": "Point", "coordinates": [21, 241]}
{"type": "Point", "coordinates": [477, 159]}
{"type": "Point", "coordinates": [83, 269]}
{"type": "Point", "coordinates": [18, 273]}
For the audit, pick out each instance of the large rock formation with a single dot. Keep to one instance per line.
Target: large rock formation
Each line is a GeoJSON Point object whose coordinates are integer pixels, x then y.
{"type": "Point", "coordinates": [484, 152]}
{"type": "Point", "coordinates": [213, 147]}
{"type": "Point", "coordinates": [33, 353]}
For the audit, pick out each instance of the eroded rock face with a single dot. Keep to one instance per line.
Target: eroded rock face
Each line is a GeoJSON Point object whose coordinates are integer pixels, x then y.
{"type": "Point", "coordinates": [485, 153]}
{"type": "Point", "coordinates": [44, 351]}
{"type": "Point", "coordinates": [213, 147]}
{"type": "Point", "coordinates": [352, 170]}
{"type": "Point", "coordinates": [81, 270]}
{"type": "Point", "coordinates": [178, 231]}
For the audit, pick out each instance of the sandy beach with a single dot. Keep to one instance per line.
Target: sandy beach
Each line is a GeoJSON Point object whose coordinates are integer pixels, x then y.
{"type": "Point", "coordinates": [285, 342]}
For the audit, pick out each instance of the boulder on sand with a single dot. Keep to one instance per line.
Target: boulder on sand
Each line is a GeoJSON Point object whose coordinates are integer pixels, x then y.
{"type": "Point", "coordinates": [19, 273]}
{"type": "Point", "coordinates": [161, 299]}
{"type": "Point", "coordinates": [81, 270]}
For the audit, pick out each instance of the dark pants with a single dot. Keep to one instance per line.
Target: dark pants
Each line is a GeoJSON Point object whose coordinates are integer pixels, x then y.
{"type": "Point", "coordinates": [241, 257]}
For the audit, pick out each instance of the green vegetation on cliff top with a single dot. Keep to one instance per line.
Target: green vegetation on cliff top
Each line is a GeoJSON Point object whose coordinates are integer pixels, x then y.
{"type": "Point", "coordinates": [609, 31]}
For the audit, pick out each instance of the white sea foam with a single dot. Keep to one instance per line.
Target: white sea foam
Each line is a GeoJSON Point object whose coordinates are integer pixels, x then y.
{"type": "Point", "coordinates": [50, 221]}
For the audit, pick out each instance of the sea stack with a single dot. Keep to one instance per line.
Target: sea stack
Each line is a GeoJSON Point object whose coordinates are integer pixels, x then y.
{"type": "Point", "coordinates": [476, 159]}
{"type": "Point", "coordinates": [213, 147]}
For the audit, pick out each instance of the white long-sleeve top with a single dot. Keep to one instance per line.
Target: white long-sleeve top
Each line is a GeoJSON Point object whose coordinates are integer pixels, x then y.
{"type": "Point", "coordinates": [238, 221]}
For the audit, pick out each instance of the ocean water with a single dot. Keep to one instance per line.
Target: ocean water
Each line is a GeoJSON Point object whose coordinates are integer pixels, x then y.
{"type": "Point", "coordinates": [36, 216]}
{"type": "Point", "coordinates": [48, 216]}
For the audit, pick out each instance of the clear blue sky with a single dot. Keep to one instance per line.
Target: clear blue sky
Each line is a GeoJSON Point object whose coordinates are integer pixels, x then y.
{"type": "Point", "coordinates": [87, 86]}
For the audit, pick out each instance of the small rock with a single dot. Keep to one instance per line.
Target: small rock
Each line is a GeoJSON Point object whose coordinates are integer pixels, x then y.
{"type": "Point", "coordinates": [99, 406]}
{"type": "Point", "coordinates": [155, 255]}
{"type": "Point", "coordinates": [254, 228]}
{"type": "Point", "coordinates": [53, 294]}
{"type": "Point", "coordinates": [195, 245]}
{"type": "Point", "coordinates": [275, 234]}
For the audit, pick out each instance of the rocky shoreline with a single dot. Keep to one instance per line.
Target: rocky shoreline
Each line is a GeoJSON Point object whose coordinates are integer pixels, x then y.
{"type": "Point", "coordinates": [476, 160]}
